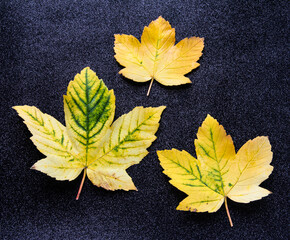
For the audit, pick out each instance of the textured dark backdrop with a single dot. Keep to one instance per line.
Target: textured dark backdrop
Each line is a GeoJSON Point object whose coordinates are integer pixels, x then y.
{"type": "Point", "coordinates": [242, 82]}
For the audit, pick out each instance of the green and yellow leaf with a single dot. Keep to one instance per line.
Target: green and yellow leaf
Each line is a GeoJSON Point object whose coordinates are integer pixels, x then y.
{"type": "Point", "coordinates": [218, 172]}
{"type": "Point", "coordinates": [90, 142]}
{"type": "Point", "coordinates": [89, 110]}
{"type": "Point", "coordinates": [48, 134]}
{"type": "Point", "coordinates": [125, 145]}
{"type": "Point", "coordinates": [156, 57]}
{"type": "Point", "coordinates": [51, 139]}
{"type": "Point", "coordinates": [59, 167]}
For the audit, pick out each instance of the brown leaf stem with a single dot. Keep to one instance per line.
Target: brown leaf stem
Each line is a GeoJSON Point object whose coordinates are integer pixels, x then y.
{"type": "Point", "coordinates": [150, 87]}
{"type": "Point", "coordinates": [82, 183]}
{"type": "Point", "coordinates": [228, 212]}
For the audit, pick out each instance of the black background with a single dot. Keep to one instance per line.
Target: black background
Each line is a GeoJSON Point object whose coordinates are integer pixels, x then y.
{"type": "Point", "coordinates": [242, 82]}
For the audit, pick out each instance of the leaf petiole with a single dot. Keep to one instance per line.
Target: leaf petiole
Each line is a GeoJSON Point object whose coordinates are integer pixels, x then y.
{"type": "Point", "coordinates": [228, 212]}
{"type": "Point", "coordinates": [150, 87]}
{"type": "Point", "coordinates": [82, 183]}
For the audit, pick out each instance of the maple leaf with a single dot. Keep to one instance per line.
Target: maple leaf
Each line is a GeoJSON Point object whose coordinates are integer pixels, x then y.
{"type": "Point", "coordinates": [90, 142]}
{"type": "Point", "coordinates": [156, 57]}
{"type": "Point", "coordinates": [218, 172]}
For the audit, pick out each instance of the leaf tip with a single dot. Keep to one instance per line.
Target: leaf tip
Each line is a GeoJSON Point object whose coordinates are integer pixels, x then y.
{"type": "Point", "coordinates": [210, 120]}
{"type": "Point", "coordinates": [160, 18]}
{"type": "Point", "coordinates": [162, 108]}
{"type": "Point", "coordinates": [159, 153]}
{"type": "Point", "coordinates": [118, 38]}
{"type": "Point", "coordinates": [33, 167]}
{"type": "Point", "coordinates": [208, 116]}
{"type": "Point", "coordinates": [86, 68]}
{"type": "Point", "coordinates": [17, 108]}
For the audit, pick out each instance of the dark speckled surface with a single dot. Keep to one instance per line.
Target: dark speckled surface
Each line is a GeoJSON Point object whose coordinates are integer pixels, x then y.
{"type": "Point", "coordinates": [242, 81]}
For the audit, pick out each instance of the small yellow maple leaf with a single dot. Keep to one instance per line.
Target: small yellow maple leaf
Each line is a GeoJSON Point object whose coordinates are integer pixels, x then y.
{"type": "Point", "coordinates": [218, 172]}
{"type": "Point", "coordinates": [90, 142]}
{"type": "Point", "coordinates": [156, 57]}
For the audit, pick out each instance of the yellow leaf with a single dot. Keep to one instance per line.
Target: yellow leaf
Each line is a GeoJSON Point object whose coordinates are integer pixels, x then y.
{"type": "Point", "coordinates": [218, 172]}
{"type": "Point", "coordinates": [90, 142]}
{"type": "Point", "coordinates": [156, 57]}
{"type": "Point", "coordinates": [59, 168]}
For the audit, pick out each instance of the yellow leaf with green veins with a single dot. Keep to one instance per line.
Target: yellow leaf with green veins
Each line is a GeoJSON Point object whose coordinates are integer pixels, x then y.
{"type": "Point", "coordinates": [89, 111]}
{"type": "Point", "coordinates": [90, 142]}
{"type": "Point", "coordinates": [156, 56]}
{"type": "Point", "coordinates": [124, 145]}
{"type": "Point", "coordinates": [218, 172]}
